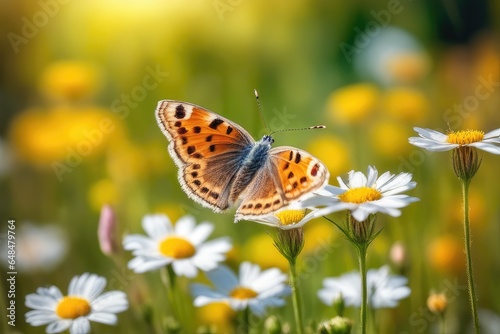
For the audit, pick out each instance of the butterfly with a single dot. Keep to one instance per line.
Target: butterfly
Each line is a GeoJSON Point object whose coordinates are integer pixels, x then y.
{"type": "Point", "coordinates": [220, 164]}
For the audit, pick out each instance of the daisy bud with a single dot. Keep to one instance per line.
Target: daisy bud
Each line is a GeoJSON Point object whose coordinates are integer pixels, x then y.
{"type": "Point", "coordinates": [106, 231]}
{"type": "Point", "coordinates": [465, 162]}
{"type": "Point", "coordinates": [272, 325]}
{"type": "Point", "coordinates": [437, 303]}
{"type": "Point", "coordinates": [289, 242]}
{"type": "Point", "coordinates": [361, 233]}
{"type": "Point", "coordinates": [336, 325]}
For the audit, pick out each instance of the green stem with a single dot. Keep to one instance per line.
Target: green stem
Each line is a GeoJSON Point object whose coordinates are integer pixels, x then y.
{"type": "Point", "coordinates": [245, 321]}
{"type": "Point", "coordinates": [296, 300]}
{"type": "Point", "coordinates": [442, 323]}
{"type": "Point", "coordinates": [364, 293]}
{"type": "Point", "coordinates": [470, 276]}
{"type": "Point", "coordinates": [168, 279]}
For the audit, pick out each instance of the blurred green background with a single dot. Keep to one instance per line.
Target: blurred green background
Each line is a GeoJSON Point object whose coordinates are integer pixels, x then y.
{"type": "Point", "coordinates": [80, 80]}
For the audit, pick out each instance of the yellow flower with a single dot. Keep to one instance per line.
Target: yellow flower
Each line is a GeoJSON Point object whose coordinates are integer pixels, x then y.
{"type": "Point", "coordinates": [70, 80]}
{"type": "Point", "coordinates": [353, 103]}
{"type": "Point", "coordinates": [42, 137]}
{"type": "Point", "coordinates": [126, 161]}
{"type": "Point", "coordinates": [218, 314]}
{"type": "Point", "coordinates": [407, 104]}
{"type": "Point", "coordinates": [390, 138]}
{"type": "Point", "coordinates": [102, 192]}
{"type": "Point", "coordinates": [332, 151]}
{"type": "Point", "coordinates": [319, 234]}
{"type": "Point", "coordinates": [445, 254]}
{"type": "Point", "coordinates": [260, 249]}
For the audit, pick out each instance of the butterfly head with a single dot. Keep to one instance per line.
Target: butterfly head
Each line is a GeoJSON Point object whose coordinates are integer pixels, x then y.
{"type": "Point", "coordinates": [267, 139]}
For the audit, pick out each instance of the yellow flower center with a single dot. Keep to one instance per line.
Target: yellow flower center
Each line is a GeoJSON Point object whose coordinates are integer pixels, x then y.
{"type": "Point", "coordinates": [290, 217]}
{"type": "Point", "coordinates": [177, 248]}
{"type": "Point", "coordinates": [72, 307]}
{"type": "Point", "coordinates": [360, 195]}
{"type": "Point", "coordinates": [241, 292]}
{"type": "Point", "coordinates": [464, 137]}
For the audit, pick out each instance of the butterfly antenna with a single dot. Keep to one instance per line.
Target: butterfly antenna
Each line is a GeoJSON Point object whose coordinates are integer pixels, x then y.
{"type": "Point", "coordinates": [260, 110]}
{"type": "Point", "coordinates": [300, 129]}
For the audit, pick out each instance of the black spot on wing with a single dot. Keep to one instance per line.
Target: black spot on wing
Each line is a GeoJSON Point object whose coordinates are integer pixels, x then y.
{"type": "Point", "coordinates": [208, 139]}
{"type": "Point", "coordinates": [229, 130]}
{"type": "Point", "coordinates": [191, 149]}
{"type": "Point", "coordinates": [297, 158]}
{"type": "Point", "coordinates": [215, 123]}
{"type": "Point", "coordinates": [197, 129]}
{"type": "Point", "coordinates": [180, 112]}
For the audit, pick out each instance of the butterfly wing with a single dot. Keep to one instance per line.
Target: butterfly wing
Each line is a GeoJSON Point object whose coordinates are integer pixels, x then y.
{"type": "Point", "coordinates": [206, 147]}
{"type": "Point", "coordinates": [287, 175]}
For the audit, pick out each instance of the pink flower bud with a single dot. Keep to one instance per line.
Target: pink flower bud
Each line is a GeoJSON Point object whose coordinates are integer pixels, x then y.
{"type": "Point", "coordinates": [106, 231]}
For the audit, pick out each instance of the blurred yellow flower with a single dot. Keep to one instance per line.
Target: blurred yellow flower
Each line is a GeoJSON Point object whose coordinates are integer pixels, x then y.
{"type": "Point", "coordinates": [390, 138]}
{"type": "Point", "coordinates": [102, 192]}
{"type": "Point", "coordinates": [260, 249]}
{"type": "Point", "coordinates": [353, 103]}
{"type": "Point", "coordinates": [406, 104]}
{"type": "Point", "coordinates": [62, 134]}
{"type": "Point", "coordinates": [332, 151]}
{"type": "Point", "coordinates": [408, 67]}
{"type": "Point", "coordinates": [126, 162]}
{"type": "Point", "coordinates": [318, 233]}
{"type": "Point", "coordinates": [218, 314]}
{"type": "Point", "coordinates": [477, 211]}
{"type": "Point", "coordinates": [70, 80]}
{"type": "Point", "coordinates": [446, 255]}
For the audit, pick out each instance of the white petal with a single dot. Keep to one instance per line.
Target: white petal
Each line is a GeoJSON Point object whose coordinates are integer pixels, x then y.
{"type": "Point", "coordinates": [77, 284]}
{"type": "Point", "coordinates": [431, 134]}
{"type": "Point", "coordinates": [157, 226]}
{"type": "Point", "coordinates": [200, 233]}
{"type": "Point", "coordinates": [431, 145]}
{"type": "Point", "coordinates": [223, 279]}
{"type": "Point", "coordinates": [80, 326]}
{"type": "Point", "coordinates": [38, 302]}
{"type": "Point", "coordinates": [94, 286]}
{"type": "Point", "coordinates": [487, 147]}
{"type": "Point", "coordinates": [372, 176]}
{"type": "Point", "coordinates": [184, 268]}
{"type": "Point", "coordinates": [111, 302]}
{"type": "Point", "coordinates": [492, 134]}
{"type": "Point", "coordinates": [357, 180]}
{"type": "Point", "coordinates": [137, 241]}
{"type": "Point", "coordinates": [58, 326]}
{"type": "Point", "coordinates": [199, 290]}
{"type": "Point", "coordinates": [248, 273]}
{"type": "Point", "coordinates": [184, 226]}
{"type": "Point", "coordinates": [141, 264]}
{"type": "Point", "coordinates": [362, 212]}
{"type": "Point", "coordinates": [267, 279]}
{"type": "Point", "coordinates": [104, 318]}
{"type": "Point", "coordinates": [40, 317]}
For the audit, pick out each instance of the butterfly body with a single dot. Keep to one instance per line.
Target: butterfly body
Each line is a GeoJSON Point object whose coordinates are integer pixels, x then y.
{"type": "Point", "coordinates": [220, 163]}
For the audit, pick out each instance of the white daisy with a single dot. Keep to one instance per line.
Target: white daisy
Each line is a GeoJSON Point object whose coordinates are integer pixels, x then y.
{"type": "Point", "coordinates": [384, 289]}
{"type": "Point", "coordinates": [83, 303]}
{"type": "Point", "coordinates": [293, 216]}
{"type": "Point", "coordinates": [365, 195]}
{"type": "Point", "coordinates": [436, 141]}
{"type": "Point", "coordinates": [39, 247]}
{"type": "Point", "coordinates": [254, 288]}
{"type": "Point", "coordinates": [181, 245]}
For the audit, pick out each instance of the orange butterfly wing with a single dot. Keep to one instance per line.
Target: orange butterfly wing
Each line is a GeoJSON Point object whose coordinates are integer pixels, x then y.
{"type": "Point", "coordinates": [290, 174]}
{"type": "Point", "coordinates": [205, 147]}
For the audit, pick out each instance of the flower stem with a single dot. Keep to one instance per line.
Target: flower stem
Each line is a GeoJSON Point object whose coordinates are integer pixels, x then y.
{"type": "Point", "coordinates": [296, 300]}
{"type": "Point", "coordinates": [364, 291]}
{"type": "Point", "coordinates": [168, 278]}
{"type": "Point", "coordinates": [245, 321]}
{"type": "Point", "coordinates": [470, 276]}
